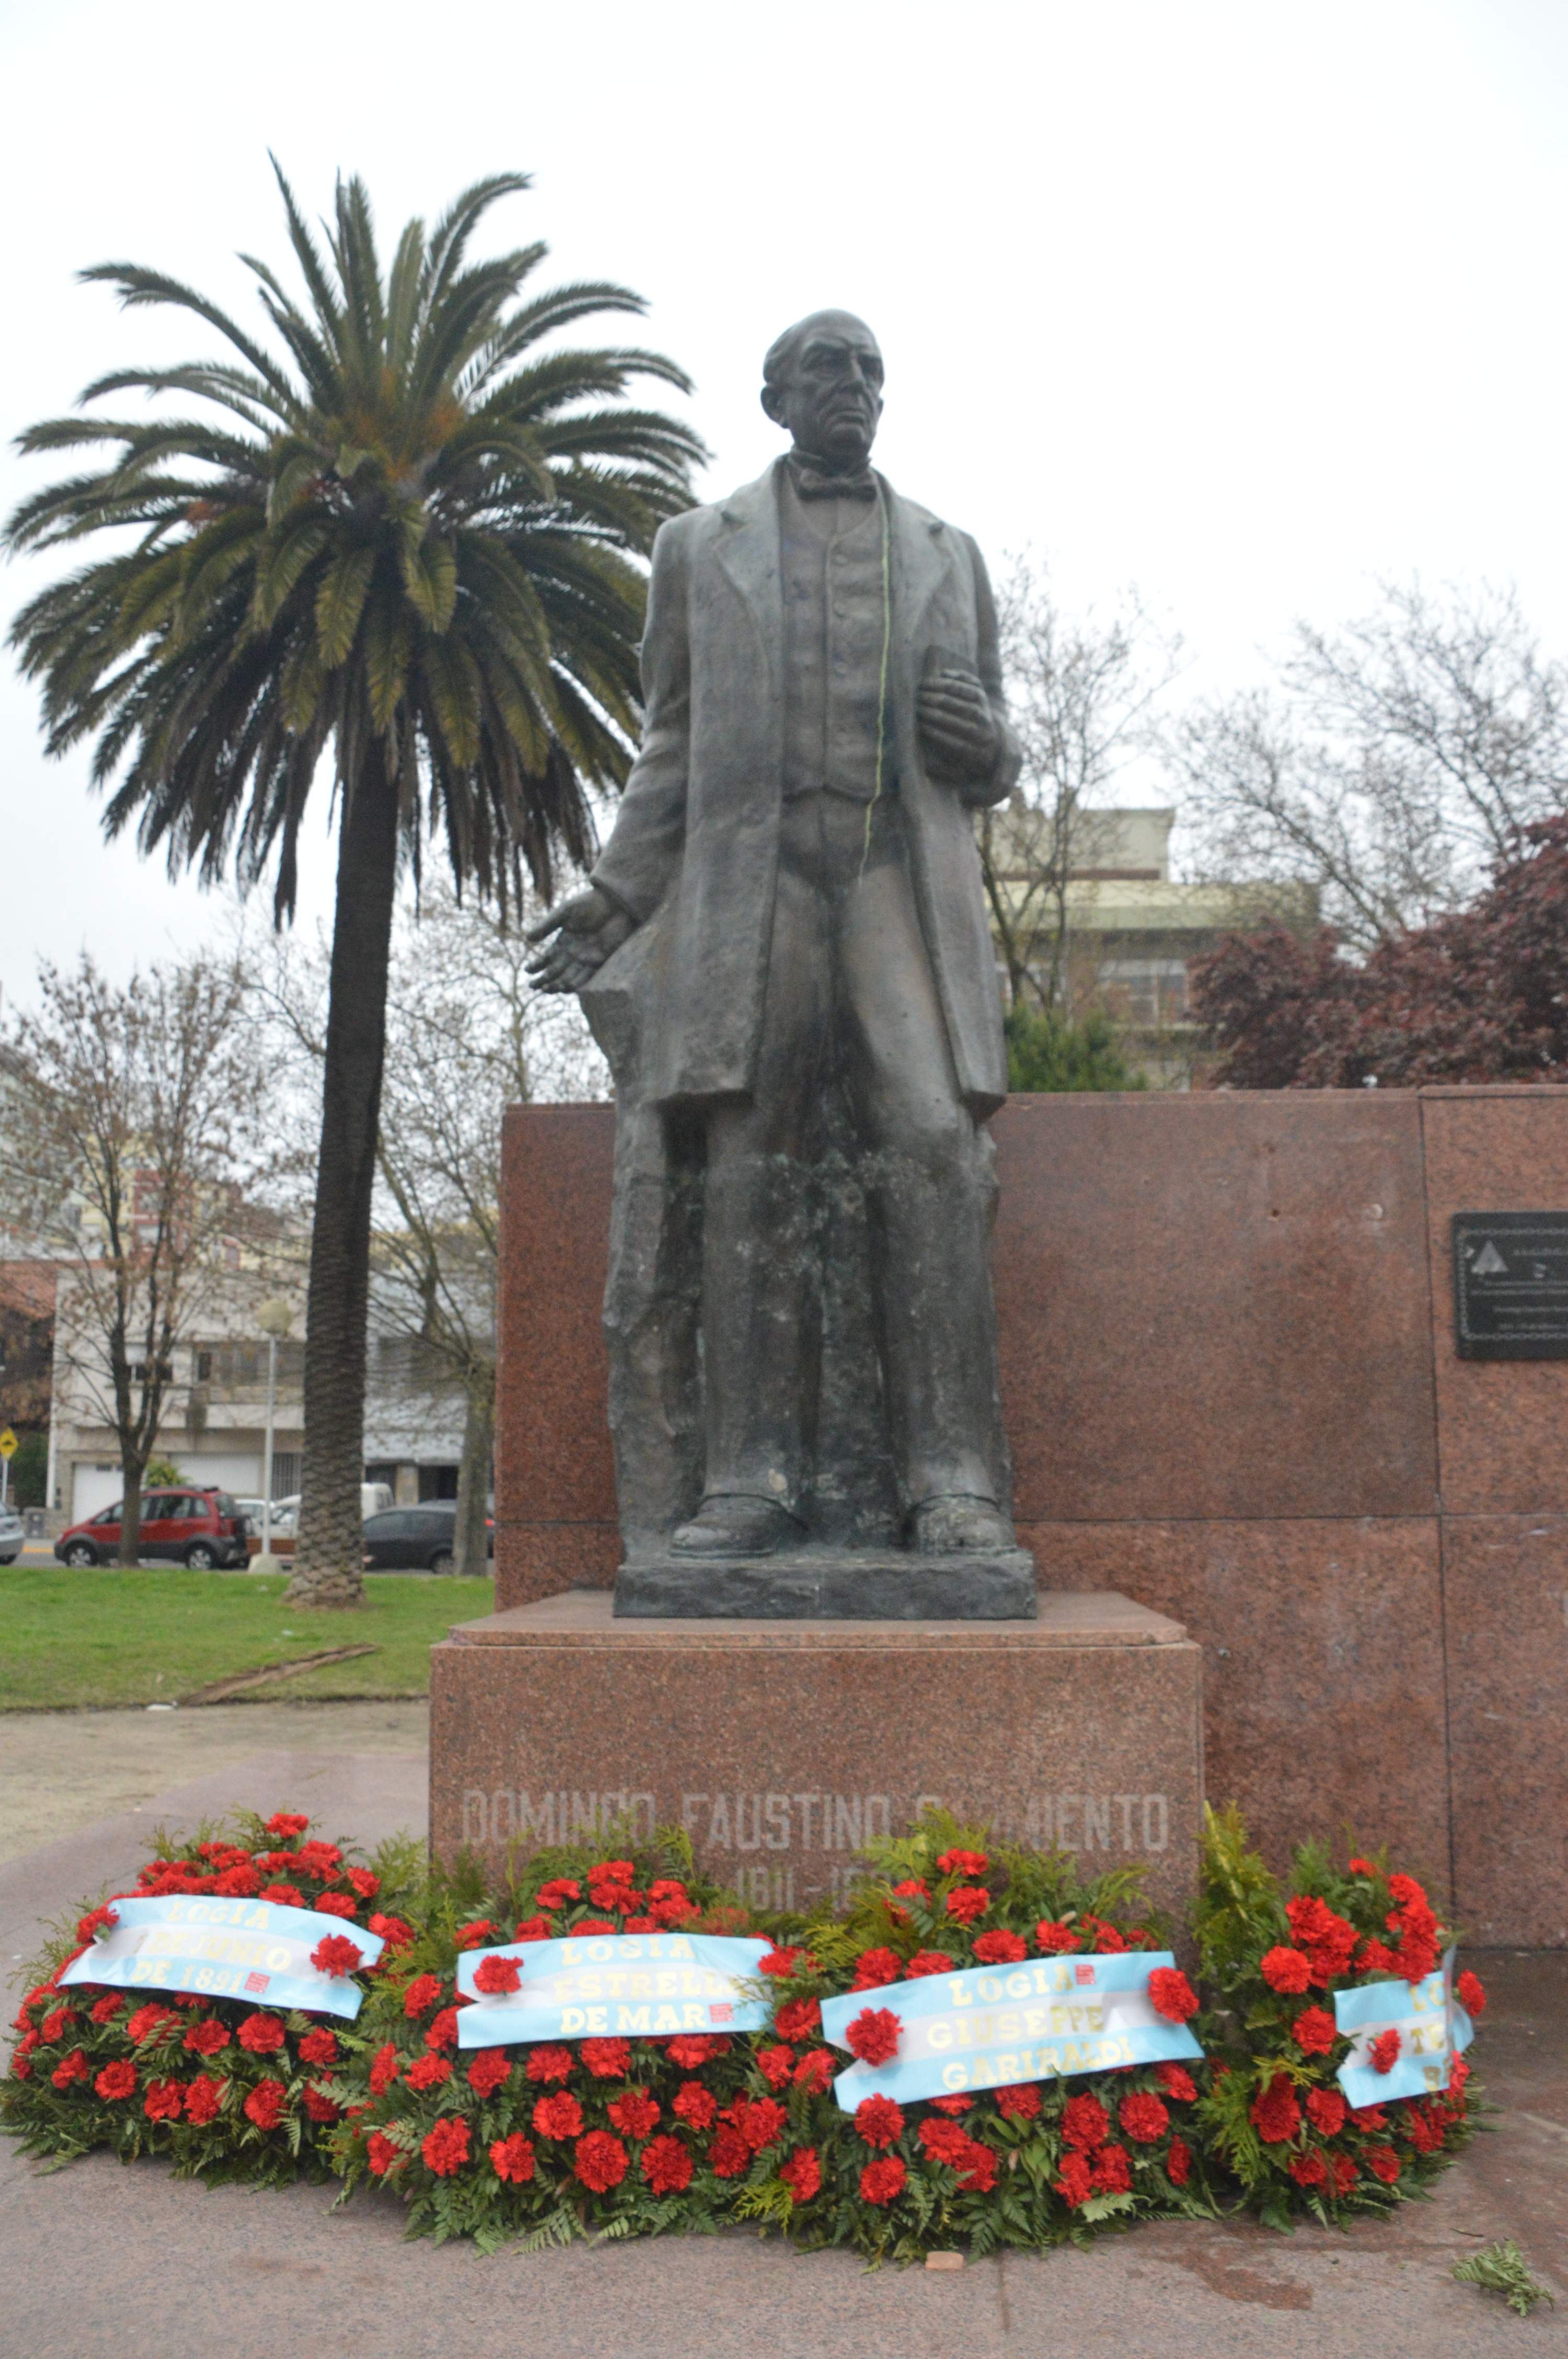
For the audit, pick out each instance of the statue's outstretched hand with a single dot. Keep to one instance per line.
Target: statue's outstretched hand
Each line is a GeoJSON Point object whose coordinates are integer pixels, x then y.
{"type": "Point", "coordinates": [584, 930]}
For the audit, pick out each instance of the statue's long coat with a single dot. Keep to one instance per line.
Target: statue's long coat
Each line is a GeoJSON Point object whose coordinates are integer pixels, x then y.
{"type": "Point", "coordinates": [701, 811]}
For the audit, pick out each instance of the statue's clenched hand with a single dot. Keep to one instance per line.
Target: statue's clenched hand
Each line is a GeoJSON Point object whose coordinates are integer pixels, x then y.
{"type": "Point", "coordinates": [958, 732]}
{"type": "Point", "coordinates": [586, 928]}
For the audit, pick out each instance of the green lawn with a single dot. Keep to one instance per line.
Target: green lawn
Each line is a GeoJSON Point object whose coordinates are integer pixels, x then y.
{"type": "Point", "coordinates": [107, 1637]}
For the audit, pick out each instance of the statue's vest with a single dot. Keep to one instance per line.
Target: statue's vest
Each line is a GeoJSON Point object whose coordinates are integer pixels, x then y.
{"type": "Point", "coordinates": [834, 624]}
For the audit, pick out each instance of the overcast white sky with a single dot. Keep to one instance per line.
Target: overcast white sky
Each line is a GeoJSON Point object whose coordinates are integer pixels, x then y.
{"type": "Point", "coordinates": [1249, 302]}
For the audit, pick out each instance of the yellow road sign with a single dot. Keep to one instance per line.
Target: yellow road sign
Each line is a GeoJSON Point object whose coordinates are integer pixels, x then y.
{"type": "Point", "coordinates": [7, 1443]}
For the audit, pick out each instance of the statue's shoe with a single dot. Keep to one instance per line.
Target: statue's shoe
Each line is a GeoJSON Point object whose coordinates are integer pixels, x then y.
{"type": "Point", "coordinates": [953, 1524]}
{"type": "Point", "coordinates": [733, 1525]}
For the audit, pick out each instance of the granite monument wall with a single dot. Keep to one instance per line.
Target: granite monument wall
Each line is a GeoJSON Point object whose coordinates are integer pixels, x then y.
{"type": "Point", "coordinates": [1232, 1393]}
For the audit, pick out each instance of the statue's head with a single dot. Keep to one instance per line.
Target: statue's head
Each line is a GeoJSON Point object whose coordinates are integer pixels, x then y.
{"type": "Point", "coordinates": [822, 380]}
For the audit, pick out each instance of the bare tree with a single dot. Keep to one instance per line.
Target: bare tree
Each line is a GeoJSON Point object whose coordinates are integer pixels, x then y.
{"type": "Point", "coordinates": [136, 1136]}
{"type": "Point", "coordinates": [1082, 696]}
{"type": "Point", "coordinates": [1390, 766]}
{"type": "Point", "coordinates": [467, 1035]}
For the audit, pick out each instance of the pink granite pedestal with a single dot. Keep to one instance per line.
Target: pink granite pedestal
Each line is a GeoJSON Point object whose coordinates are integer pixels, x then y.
{"type": "Point", "coordinates": [782, 1746]}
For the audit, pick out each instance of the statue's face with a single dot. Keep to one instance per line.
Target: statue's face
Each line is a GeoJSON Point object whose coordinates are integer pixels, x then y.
{"type": "Point", "coordinates": [831, 399]}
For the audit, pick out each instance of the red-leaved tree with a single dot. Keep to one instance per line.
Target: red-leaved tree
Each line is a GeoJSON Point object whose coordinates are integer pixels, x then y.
{"type": "Point", "coordinates": [1481, 995]}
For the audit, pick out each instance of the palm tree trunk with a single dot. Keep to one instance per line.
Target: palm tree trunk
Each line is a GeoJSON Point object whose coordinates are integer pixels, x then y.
{"type": "Point", "coordinates": [329, 1560]}
{"type": "Point", "coordinates": [470, 1548]}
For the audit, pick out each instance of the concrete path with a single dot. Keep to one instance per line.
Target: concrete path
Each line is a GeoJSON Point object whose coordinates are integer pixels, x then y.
{"type": "Point", "coordinates": [107, 2262]}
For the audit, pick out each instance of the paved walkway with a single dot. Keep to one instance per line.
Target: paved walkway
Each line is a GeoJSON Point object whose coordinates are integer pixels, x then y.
{"type": "Point", "coordinates": [108, 2262]}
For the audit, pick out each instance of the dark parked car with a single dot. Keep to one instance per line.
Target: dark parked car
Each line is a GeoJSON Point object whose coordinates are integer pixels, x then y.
{"type": "Point", "coordinates": [202, 1528]}
{"type": "Point", "coordinates": [416, 1539]}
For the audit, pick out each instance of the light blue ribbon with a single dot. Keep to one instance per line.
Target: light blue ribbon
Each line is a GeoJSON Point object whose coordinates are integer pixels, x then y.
{"type": "Point", "coordinates": [254, 1949]}
{"type": "Point", "coordinates": [988, 2026]}
{"type": "Point", "coordinates": [616, 1985]}
{"type": "Point", "coordinates": [1432, 2027]}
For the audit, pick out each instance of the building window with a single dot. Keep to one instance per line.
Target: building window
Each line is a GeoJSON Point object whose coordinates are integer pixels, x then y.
{"type": "Point", "coordinates": [1146, 991]}
{"type": "Point", "coordinates": [288, 1472]}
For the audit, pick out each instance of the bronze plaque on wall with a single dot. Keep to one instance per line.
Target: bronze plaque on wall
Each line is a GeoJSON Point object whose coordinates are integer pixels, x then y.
{"type": "Point", "coordinates": [1510, 1286]}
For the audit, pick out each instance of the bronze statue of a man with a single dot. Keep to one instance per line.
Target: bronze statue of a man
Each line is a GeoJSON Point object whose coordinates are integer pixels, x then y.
{"type": "Point", "coordinates": [824, 713]}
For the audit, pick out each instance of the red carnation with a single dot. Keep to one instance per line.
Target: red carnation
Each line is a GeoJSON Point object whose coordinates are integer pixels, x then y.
{"type": "Point", "coordinates": [207, 2037]}
{"type": "Point", "coordinates": [1375, 1957]}
{"type": "Point", "coordinates": [288, 1896]}
{"type": "Point", "coordinates": [875, 1967]}
{"type": "Point", "coordinates": [729, 2153]}
{"type": "Point", "coordinates": [1176, 2081]}
{"type": "Point", "coordinates": [944, 2141]}
{"type": "Point", "coordinates": [930, 1962]}
{"type": "Point", "coordinates": [1018, 2100]}
{"type": "Point", "coordinates": [1075, 2184]}
{"type": "Point", "coordinates": [446, 2149]}
{"type": "Point", "coordinates": [1314, 2031]}
{"type": "Point", "coordinates": [421, 1995]}
{"type": "Point", "coordinates": [385, 2068]}
{"type": "Point", "coordinates": [963, 1863]}
{"type": "Point", "coordinates": [600, 2161]}
{"type": "Point", "coordinates": [165, 2099]}
{"type": "Point", "coordinates": [798, 2018]}
{"type": "Point", "coordinates": [1471, 1993]}
{"type": "Point", "coordinates": [1274, 2113]}
{"type": "Point", "coordinates": [760, 2123]}
{"type": "Point", "coordinates": [108, 2007]}
{"type": "Point", "coordinates": [607, 2059]}
{"type": "Point", "coordinates": [1326, 2111]}
{"type": "Point", "coordinates": [881, 2181]}
{"type": "Point", "coordinates": [1142, 2116]}
{"type": "Point", "coordinates": [777, 2066]}
{"type": "Point", "coordinates": [443, 2029]}
{"type": "Point", "coordinates": [533, 1928]}
{"type": "Point", "coordinates": [1383, 2054]}
{"type": "Point", "coordinates": [336, 1955]}
{"type": "Point", "coordinates": [558, 2115]}
{"type": "Point", "coordinates": [556, 1893]}
{"type": "Point", "coordinates": [1108, 1942]}
{"type": "Point", "coordinates": [1084, 2121]}
{"type": "Point", "coordinates": [394, 1932]}
{"type": "Point", "coordinates": [489, 2070]}
{"type": "Point", "coordinates": [238, 1883]}
{"type": "Point", "coordinates": [494, 1977]}
{"type": "Point", "coordinates": [634, 2113]}
{"type": "Point", "coordinates": [802, 2174]}
{"type": "Point", "coordinates": [874, 2035]}
{"type": "Point", "coordinates": [1171, 1996]}
{"type": "Point", "coordinates": [612, 1871]}
{"type": "Point", "coordinates": [284, 1825]}
{"type": "Point", "coordinates": [968, 1902]}
{"type": "Point", "coordinates": [74, 2068]}
{"type": "Point", "coordinates": [1369, 2117]}
{"type": "Point", "coordinates": [593, 1925]}
{"type": "Point", "coordinates": [1286, 1970]}
{"type": "Point", "coordinates": [471, 1936]}
{"type": "Point", "coordinates": [264, 2105]}
{"type": "Point", "coordinates": [334, 1904]}
{"type": "Point", "coordinates": [1308, 2169]}
{"type": "Point", "coordinates": [978, 2175]}
{"type": "Point", "coordinates": [1178, 2162]}
{"type": "Point", "coordinates": [512, 2159]}
{"type": "Point", "coordinates": [1345, 2173]}
{"type": "Point", "coordinates": [57, 2023]}
{"type": "Point", "coordinates": [116, 2080]}
{"type": "Point", "coordinates": [1328, 1939]}
{"type": "Point", "coordinates": [146, 2019]}
{"type": "Point", "coordinates": [667, 2166]}
{"type": "Point", "coordinates": [689, 2050]}
{"type": "Point", "coordinates": [364, 1881]}
{"type": "Point", "coordinates": [428, 2072]}
{"type": "Point", "coordinates": [1383, 2163]}
{"type": "Point", "coordinates": [261, 2034]}
{"type": "Point", "coordinates": [999, 1947]}
{"type": "Point", "coordinates": [549, 2062]}
{"type": "Point", "coordinates": [1054, 1940]}
{"type": "Point", "coordinates": [203, 2097]}
{"type": "Point", "coordinates": [783, 1963]}
{"type": "Point", "coordinates": [1360, 1867]}
{"type": "Point", "coordinates": [318, 2047]}
{"type": "Point", "coordinates": [814, 2073]}
{"type": "Point", "coordinates": [382, 2155]}
{"type": "Point", "coordinates": [1112, 2171]}
{"type": "Point", "coordinates": [879, 2121]}
{"type": "Point", "coordinates": [320, 2105]}
{"type": "Point", "coordinates": [94, 1921]}
{"type": "Point", "coordinates": [696, 2104]}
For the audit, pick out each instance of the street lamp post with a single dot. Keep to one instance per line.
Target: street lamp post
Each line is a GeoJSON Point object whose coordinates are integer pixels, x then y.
{"type": "Point", "coordinates": [275, 1319]}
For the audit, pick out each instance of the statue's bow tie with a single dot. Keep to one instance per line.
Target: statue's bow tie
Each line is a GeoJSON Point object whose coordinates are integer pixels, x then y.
{"type": "Point", "coordinates": [813, 484]}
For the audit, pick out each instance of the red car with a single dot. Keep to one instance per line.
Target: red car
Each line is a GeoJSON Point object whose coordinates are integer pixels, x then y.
{"type": "Point", "coordinates": [202, 1528]}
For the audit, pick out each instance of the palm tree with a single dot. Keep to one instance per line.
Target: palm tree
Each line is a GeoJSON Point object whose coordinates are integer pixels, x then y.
{"type": "Point", "coordinates": [406, 542]}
